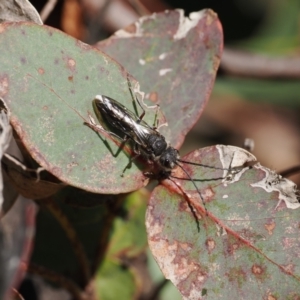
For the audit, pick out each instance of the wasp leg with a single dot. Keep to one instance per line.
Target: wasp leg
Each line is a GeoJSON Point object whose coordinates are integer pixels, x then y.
{"type": "Point", "coordinates": [132, 158]}
{"type": "Point", "coordinates": [135, 98]}
{"type": "Point", "coordinates": [136, 90]}
{"type": "Point", "coordinates": [102, 131]}
{"type": "Point", "coordinates": [142, 104]}
{"type": "Point", "coordinates": [155, 124]}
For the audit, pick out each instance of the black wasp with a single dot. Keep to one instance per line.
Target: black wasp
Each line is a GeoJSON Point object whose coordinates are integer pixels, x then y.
{"type": "Point", "coordinates": [147, 140]}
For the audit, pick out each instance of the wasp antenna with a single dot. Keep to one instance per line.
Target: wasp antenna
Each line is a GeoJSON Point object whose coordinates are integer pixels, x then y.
{"type": "Point", "coordinates": [191, 179]}
{"type": "Point", "coordinates": [188, 202]}
{"type": "Point", "coordinates": [203, 165]}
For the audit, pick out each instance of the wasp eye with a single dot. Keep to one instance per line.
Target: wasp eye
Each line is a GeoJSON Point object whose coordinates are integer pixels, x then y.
{"type": "Point", "coordinates": [169, 158]}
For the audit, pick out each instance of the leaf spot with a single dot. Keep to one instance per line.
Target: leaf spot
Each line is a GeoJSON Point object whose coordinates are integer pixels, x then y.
{"type": "Point", "coordinates": [289, 269]}
{"type": "Point", "coordinates": [3, 85]}
{"type": "Point", "coordinates": [41, 71]}
{"type": "Point", "coordinates": [152, 97]}
{"type": "Point", "coordinates": [71, 63]}
{"type": "Point", "coordinates": [71, 165]}
{"type": "Point", "coordinates": [142, 62]}
{"type": "Point", "coordinates": [271, 297]}
{"type": "Point", "coordinates": [288, 243]}
{"type": "Point", "coordinates": [257, 270]}
{"type": "Point", "coordinates": [2, 28]}
{"type": "Point", "coordinates": [270, 227]}
{"type": "Point", "coordinates": [210, 245]}
{"type": "Point", "coordinates": [103, 70]}
{"type": "Point", "coordinates": [163, 72]}
{"type": "Point", "coordinates": [208, 194]}
{"type": "Point", "coordinates": [162, 56]}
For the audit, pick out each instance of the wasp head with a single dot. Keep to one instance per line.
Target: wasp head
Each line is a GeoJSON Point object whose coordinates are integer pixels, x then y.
{"type": "Point", "coordinates": [169, 158]}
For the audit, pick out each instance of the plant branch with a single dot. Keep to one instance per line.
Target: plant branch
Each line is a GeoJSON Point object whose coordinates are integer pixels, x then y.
{"type": "Point", "coordinates": [57, 278]}
{"type": "Point", "coordinates": [47, 9]}
{"type": "Point", "coordinates": [240, 63]}
{"type": "Point", "coordinates": [72, 236]}
{"type": "Point", "coordinates": [290, 171]}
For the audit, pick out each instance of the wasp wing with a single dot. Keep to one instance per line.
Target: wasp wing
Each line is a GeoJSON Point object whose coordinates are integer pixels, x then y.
{"type": "Point", "coordinates": [122, 119]}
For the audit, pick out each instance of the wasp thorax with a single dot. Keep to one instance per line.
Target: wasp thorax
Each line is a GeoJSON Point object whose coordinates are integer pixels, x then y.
{"type": "Point", "coordinates": [169, 158]}
{"type": "Point", "coordinates": [157, 143]}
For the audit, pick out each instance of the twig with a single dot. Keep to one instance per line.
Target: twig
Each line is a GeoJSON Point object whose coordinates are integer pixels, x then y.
{"type": "Point", "coordinates": [17, 294]}
{"type": "Point", "coordinates": [255, 65]}
{"type": "Point", "coordinates": [73, 237]}
{"type": "Point", "coordinates": [291, 171]}
{"type": "Point", "coordinates": [58, 279]}
{"type": "Point", "coordinates": [47, 9]}
{"type": "Point", "coordinates": [139, 7]}
{"type": "Point", "coordinates": [156, 290]}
